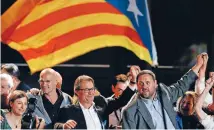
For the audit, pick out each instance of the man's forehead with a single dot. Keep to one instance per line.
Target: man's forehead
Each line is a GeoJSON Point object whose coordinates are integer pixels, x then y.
{"type": "Point", "coordinates": [121, 84]}
{"type": "Point", "coordinates": [145, 76]}
{"type": "Point", "coordinates": [86, 83]}
{"type": "Point", "coordinates": [47, 76]}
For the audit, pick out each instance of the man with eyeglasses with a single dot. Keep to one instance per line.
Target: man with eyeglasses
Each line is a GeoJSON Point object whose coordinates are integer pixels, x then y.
{"type": "Point", "coordinates": [50, 98]}
{"type": "Point", "coordinates": [86, 114]}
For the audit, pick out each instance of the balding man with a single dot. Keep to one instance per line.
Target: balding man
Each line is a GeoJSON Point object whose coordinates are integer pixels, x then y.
{"type": "Point", "coordinates": [50, 98]}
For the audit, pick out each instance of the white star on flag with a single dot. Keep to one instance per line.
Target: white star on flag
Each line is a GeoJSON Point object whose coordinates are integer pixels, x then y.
{"type": "Point", "coordinates": [134, 9]}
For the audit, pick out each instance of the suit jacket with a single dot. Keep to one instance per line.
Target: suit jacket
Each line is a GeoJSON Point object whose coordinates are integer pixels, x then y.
{"type": "Point", "coordinates": [23, 86]}
{"type": "Point", "coordinates": [40, 110]}
{"type": "Point", "coordinates": [137, 116]}
{"type": "Point", "coordinates": [74, 112]}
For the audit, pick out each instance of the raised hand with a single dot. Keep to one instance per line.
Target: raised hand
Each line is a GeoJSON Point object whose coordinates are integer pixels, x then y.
{"type": "Point", "coordinates": [40, 123]}
{"type": "Point", "coordinates": [203, 68]}
{"type": "Point", "coordinates": [34, 91]}
{"type": "Point", "coordinates": [199, 63]}
{"type": "Point", "coordinates": [134, 71]}
{"type": "Point", "coordinates": [200, 59]}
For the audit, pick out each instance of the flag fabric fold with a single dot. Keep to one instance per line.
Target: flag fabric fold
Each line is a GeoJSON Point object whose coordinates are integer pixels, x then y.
{"type": "Point", "coordinates": [49, 32]}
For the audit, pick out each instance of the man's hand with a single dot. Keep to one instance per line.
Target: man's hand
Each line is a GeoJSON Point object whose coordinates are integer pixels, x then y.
{"type": "Point", "coordinates": [199, 63]}
{"type": "Point", "coordinates": [40, 123]}
{"type": "Point", "coordinates": [203, 68]}
{"type": "Point", "coordinates": [70, 124]}
{"type": "Point", "coordinates": [34, 91]}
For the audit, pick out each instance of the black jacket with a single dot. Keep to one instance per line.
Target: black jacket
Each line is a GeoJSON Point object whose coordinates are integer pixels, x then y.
{"type": "Point", "coordinates": [22, 86]}
{"type": "Point", "coordinates": [74, 112]}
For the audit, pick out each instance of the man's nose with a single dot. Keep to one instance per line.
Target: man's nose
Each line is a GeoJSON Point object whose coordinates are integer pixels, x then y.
{"type": "Point", "coordinates": [22, 105]}
{"type": "Point", "coordinates": [45, 83]}
{"type": "Point", "coordinates": [91, 92]}
{"type": "Point", "coordinates": [144, 86]}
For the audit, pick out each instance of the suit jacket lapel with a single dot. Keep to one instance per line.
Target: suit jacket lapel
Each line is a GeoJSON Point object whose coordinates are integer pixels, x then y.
{"type": "Point", "coordinates": [145, 113]}
{"type": "Point", "coordinates": [169, 110]}
{"type": "Point", "coordinates": [99, 113]}
{"type": "Point", "coordinates": [82, 122]}
{"type": "Point", "coordinates": [41, 108]}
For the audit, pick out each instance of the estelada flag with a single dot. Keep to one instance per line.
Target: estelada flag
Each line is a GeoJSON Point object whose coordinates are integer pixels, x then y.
{"type": "Point", "coordinates": [49, 32]}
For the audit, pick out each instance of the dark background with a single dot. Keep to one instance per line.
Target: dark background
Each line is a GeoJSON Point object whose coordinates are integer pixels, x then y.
{"type": "Point", "coordinates": [176, 24]}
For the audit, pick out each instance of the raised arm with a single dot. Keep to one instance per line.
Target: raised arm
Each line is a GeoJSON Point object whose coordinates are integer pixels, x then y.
{"type": "Point", "coordinates": [181, 86]}
{"type": "Point", "coordinates": [199, 63]}
{"type": "Point", "coordinates": [200, 113]}
{"type": "Point", "coordinates": [127, 94]}
{"type": "Point", "coordinates": [200, 83]}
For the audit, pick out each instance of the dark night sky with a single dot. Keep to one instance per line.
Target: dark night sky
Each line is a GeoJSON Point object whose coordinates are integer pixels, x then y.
{"type": "Point", "coordinates": [176, 24]}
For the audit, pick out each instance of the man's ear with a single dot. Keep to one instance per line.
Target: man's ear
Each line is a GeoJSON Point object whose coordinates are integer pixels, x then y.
{"type": "Point", "coordinates": [112, 88]}
{"type": "Point", "coordinates": [156, 84]}
{"type": "Point", "coordinates": [75, 92]}
{"type": "Point", "coordinates": [11, 104]}
{"type": "Point", "coordinates": [58, 85]}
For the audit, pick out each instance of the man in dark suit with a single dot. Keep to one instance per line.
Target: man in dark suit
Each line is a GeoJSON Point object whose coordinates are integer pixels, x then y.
{"type": "Point", "coordinates": [14, 72]}
{"type": "Point", "coordinates": [86, 114]}
{"type": "Point", "coordinates": [152, 106]}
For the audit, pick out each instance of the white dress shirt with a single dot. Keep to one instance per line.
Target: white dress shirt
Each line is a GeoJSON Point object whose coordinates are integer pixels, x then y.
{"type": "Point", "coordinates": [91, 118]}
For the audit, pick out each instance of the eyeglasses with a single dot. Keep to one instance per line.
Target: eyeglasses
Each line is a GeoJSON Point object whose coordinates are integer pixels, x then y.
{"type": "Point", "coordinates": [86, 90]}
{"type": "Point", "coordinates": [44, 81]}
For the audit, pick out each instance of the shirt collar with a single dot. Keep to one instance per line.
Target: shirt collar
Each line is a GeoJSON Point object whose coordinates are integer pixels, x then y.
{"type": "Point", "coordinates": [148, 101]}
{"type": "Point", "coordinates": [58, 91]}
{"type": "Point", "coordinates": [90, 108]}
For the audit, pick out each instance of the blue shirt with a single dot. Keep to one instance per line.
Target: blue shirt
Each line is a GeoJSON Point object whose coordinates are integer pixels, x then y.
{"type": "Point", "coordinates": [155, 110]}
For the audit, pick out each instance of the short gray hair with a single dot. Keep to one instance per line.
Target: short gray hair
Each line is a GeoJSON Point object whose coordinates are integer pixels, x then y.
{"type": "Point", "coordinates": [8, 78]}
{"type": "Point", "coordinates": [146, 72]}
{"type": "Point", "coordinates": [80, 79]}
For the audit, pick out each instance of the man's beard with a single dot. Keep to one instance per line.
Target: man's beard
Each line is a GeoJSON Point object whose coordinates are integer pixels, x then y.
{"type": "Point", "coordinates": [145, 95]}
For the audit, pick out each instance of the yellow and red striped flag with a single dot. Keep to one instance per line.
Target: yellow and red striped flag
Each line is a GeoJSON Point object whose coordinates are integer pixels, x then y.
{"type": "Point", "coordinates": [49, 32]}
